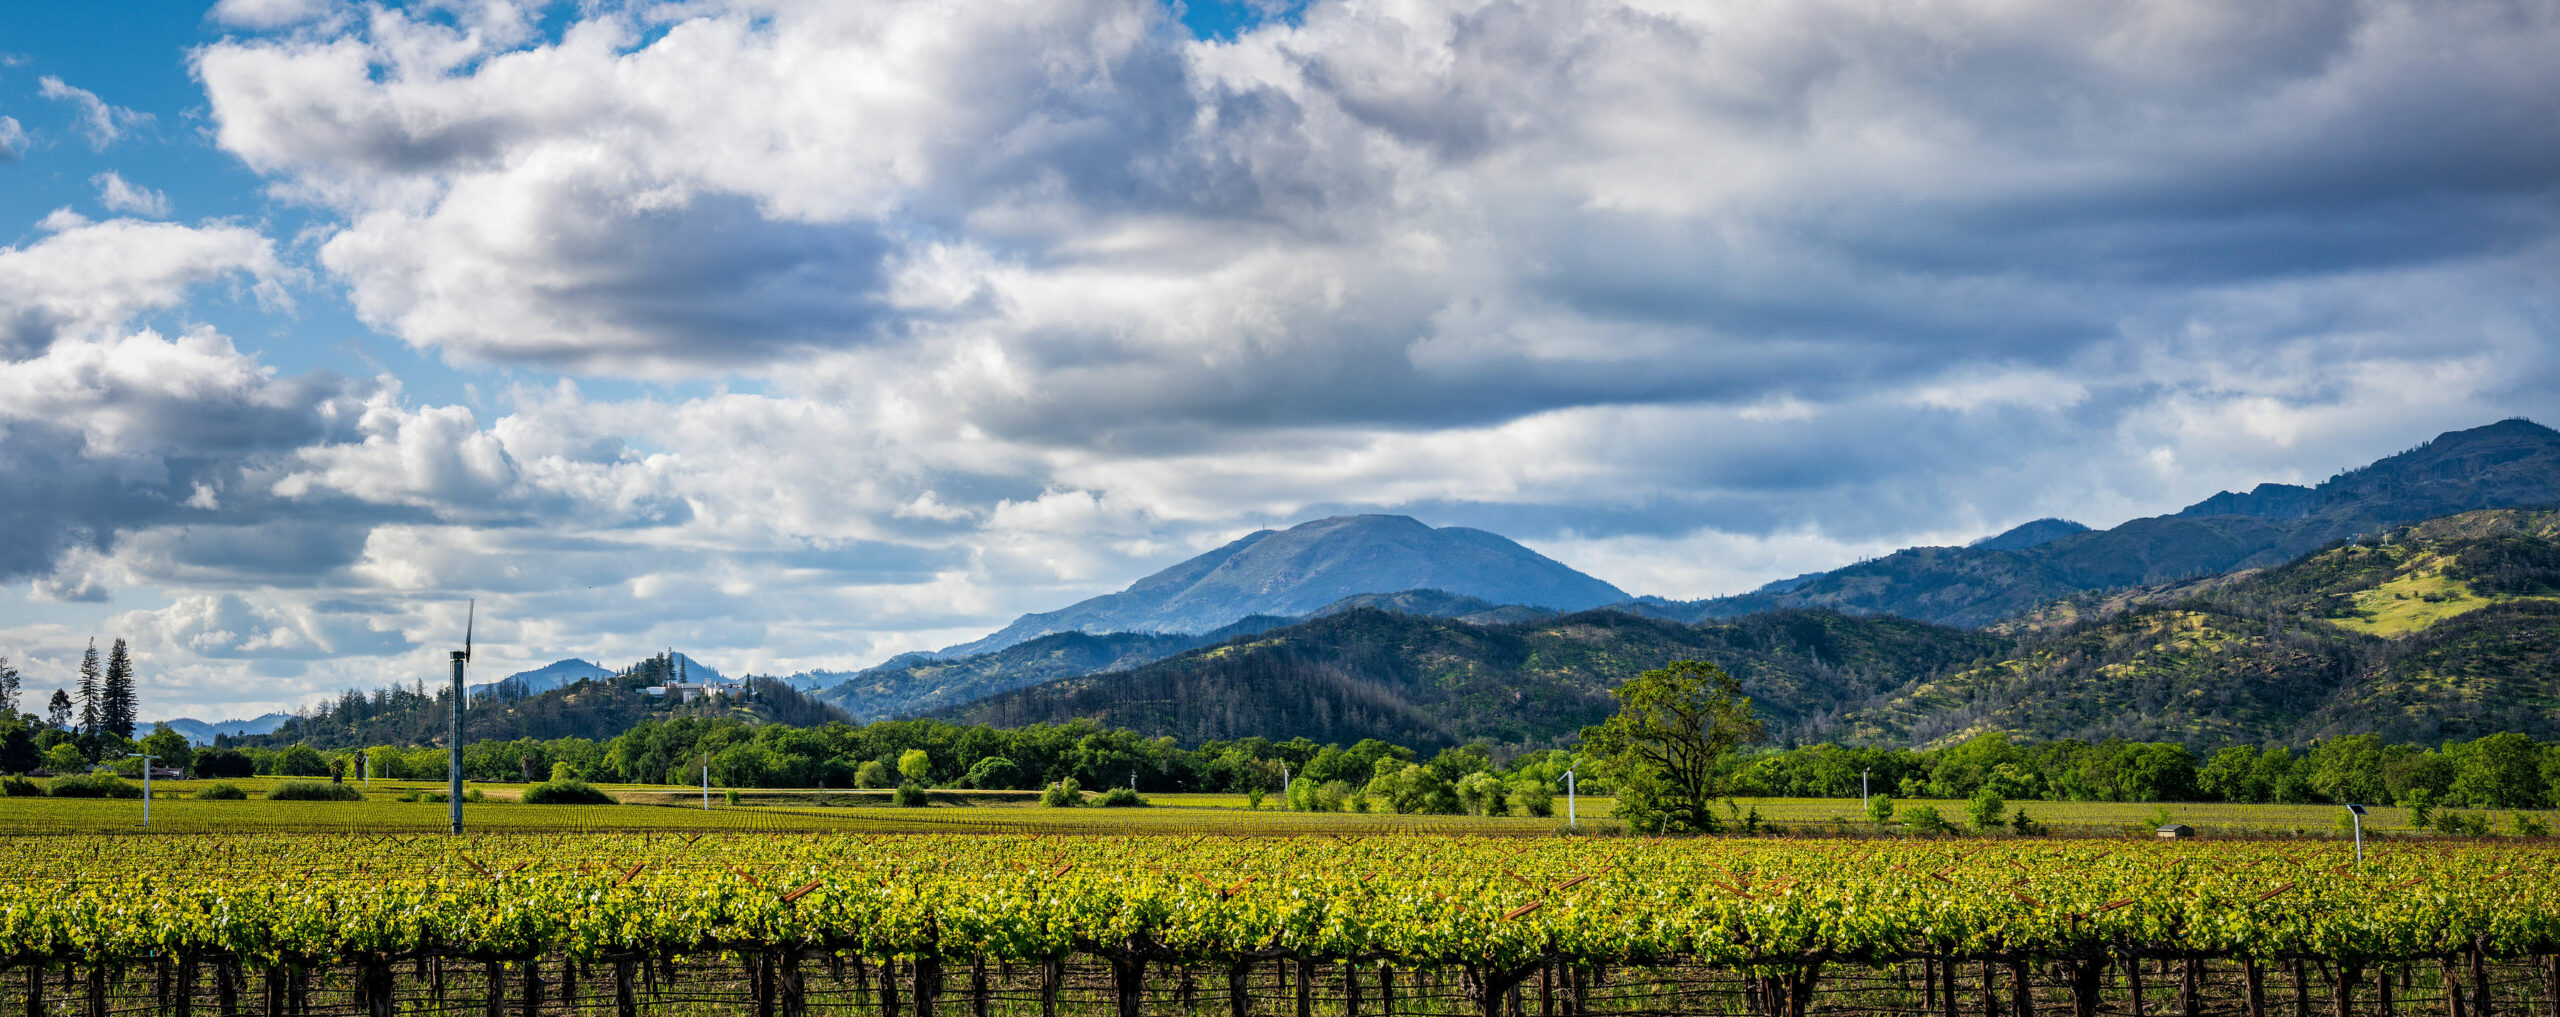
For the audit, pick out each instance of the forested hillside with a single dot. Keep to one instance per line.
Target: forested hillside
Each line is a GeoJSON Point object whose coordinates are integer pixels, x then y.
{"type": "Point", "coordinates": [589, 709]}
{"type": "Point", "coordinates": [1368, 673]}
{"type": "Point", "coordinates": [2446, 629]}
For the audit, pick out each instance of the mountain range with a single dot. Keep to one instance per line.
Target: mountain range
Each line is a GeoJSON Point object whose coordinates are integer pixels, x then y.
{"type": "Point", "coordinates": [2231, 619]}
{"type": "Point", "coordinates": [2449, 628]}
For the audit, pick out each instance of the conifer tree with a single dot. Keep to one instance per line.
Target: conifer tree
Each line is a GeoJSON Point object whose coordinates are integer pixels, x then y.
{"type": "Point", "coordinates": [89, 690]}
{"type": "Point", "coordinates": [116, 711]}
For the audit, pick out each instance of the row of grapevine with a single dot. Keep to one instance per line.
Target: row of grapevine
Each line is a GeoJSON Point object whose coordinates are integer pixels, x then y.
{"type": "Point", "coordinates": [1496, 911]}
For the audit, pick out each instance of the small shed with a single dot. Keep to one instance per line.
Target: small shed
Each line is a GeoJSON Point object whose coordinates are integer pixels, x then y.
{"type": "Point", "coordinates": [2176, 831]}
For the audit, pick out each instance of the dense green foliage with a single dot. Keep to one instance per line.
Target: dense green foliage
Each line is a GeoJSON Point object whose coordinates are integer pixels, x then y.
{"type": "Point", "coordinates": [1669, 744]}
{"type": "Point", "coordinates": [94, 785]}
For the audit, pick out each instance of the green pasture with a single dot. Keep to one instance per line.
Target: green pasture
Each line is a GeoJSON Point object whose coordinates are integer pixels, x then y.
{"type": "Point", "coordinates": [677, 808]}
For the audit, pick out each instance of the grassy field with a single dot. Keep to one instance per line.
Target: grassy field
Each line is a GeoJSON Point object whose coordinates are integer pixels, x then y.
{"type": "Point", "coordinates": [648, 808]}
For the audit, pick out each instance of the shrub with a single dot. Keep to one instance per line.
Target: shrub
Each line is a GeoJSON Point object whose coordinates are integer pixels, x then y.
{"type": "Point", "coordinates": [566, 792]}
{"type": "Point", "coordinates": [1121, 798]}
{"type": "Point", "coordinates": [1065, 794]}
{"type": "Point", "coordinates": [1925, 820]}
{"type": "Point", "coordinates": [313, 791]}
{"type": "Point", "coordinates": [2526, 825]}
{"type": "Point", "coordinates": [1983, 812]}
{"type": "Point", "coordinates": [95, 785]}
{"type": "Point", "coordinates": [731, 794]}
{"type": "Point", "coordinates": [1880, 809]}
{"type": "Point", "coordinates": [909, 795]}
{"type": "Point", "coordinates": [20, 787]}
{"type": "Point", "coordinates": [2025, 825]}
{"type": "Point", "coordinates": [222, 793]}
{"type": "Point", "coordinates": [1253, 799]}
{"type": "Point", "coordinates": [871, 774]}
{"type": "Point", "coordinates": [2462, 824]}
{"type": "Point", "coordinates": [218, 763]}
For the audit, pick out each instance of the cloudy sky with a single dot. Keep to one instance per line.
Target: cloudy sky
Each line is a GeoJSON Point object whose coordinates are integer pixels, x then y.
{"type": "Point", "coordinates": [794, 335]}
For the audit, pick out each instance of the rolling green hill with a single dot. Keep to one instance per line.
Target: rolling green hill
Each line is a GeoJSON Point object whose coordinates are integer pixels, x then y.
{"type": "Point", "coordinates": [2449, 628]}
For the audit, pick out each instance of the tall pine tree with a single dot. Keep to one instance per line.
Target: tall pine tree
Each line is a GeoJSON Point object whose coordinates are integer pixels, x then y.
{"type": "Point", "coordinates": [89, 690]}
{"type": "Point", "coordinates": [116, 710]}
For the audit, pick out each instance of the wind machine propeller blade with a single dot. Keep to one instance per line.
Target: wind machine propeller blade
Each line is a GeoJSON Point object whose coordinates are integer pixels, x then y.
{"type": "Point", "coordinates": [470, 617]}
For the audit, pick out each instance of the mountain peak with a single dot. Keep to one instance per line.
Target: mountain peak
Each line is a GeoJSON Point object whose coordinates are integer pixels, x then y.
{"type": "Point", "coordinates": [1301, 569]}
{"type": "Point", "coordinates": [2030, 534]}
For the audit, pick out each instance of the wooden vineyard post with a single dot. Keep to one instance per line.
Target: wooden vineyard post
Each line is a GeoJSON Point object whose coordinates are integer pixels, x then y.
{"type": "Point", "coordinates": [2344, 1003]}
{"type": "Point", "coordinates": [1306, 990]}
{"type": "Point", "coordinates": [2133, 981]}
{"type": "Point", "coordinates": [2480, 980]}
{"type": "Point", "coordinates": [2087, 974]}
{"type": "Point", "coordinates": [1053, 970]}
{"type": "Point", "coordinates": [2253, 980]}
{"type": "Point", "coordinates": [1128, 982]}
{"type": "Point", "coordinates": [35, 989]}
{"type": "Point", "coordinates": [978, 986]}
{"type": "Point", "coordinates": [2551, 983]}
{"type": "Point", "coordinates": [2191, 988]}
{"type": "Point", "coordinates": [626, 1000]}
{"type": "Point", "coordinates": [2022, 994]}
{"type": "Point", "coordinates": [2382, 1001]}
{"type": "Point", "coordinates": [1546, 989]}
{"type": "Point", "coordinates": [2452, 988]}
{"type": "Point", "coordinates": [928, 984]}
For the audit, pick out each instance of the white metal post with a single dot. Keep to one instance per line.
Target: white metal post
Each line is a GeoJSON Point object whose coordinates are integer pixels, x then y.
{"type": "Point", "coordinates": [1862, 789]}
{"type": "Point", "coordinates": [1571, 821]}
{"type": "Point", "coordinates": [706, 782]}
{"type": "Point", "coordinates": [146, 792]}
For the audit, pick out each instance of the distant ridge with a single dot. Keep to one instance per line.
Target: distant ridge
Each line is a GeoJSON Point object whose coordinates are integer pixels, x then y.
{"type": "Point", "coordinates": [2026, 535]}
{"type": "Point", "coordinates": [2509, 464]}
{"type": "Point", "coordinates": [198, 732]}
{"type": "Point", "coordinates": [1292, 572]}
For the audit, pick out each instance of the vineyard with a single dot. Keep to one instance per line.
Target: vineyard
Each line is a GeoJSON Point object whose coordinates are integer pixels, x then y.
{"type": "Point", "coordinates": [792, 923]}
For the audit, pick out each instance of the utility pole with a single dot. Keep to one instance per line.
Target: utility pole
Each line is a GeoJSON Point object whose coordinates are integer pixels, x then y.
{"type": "Point", "coordinates": [453, 791]}
{"type": "Point", "coordinates": [1571, 821]}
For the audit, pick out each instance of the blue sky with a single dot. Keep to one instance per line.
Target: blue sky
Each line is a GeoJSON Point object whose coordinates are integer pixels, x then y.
{"type": "Point", "coordinates": [796, 335]}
